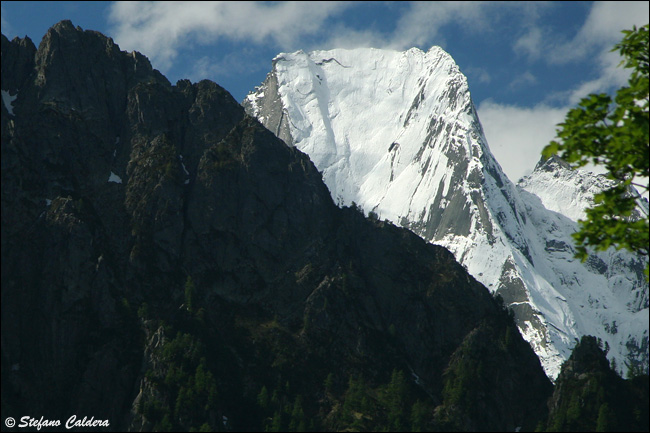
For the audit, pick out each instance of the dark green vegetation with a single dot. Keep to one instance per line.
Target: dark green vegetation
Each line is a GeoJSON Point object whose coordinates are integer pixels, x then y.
{"type": "Point", "coordinates": [237, 297]}
{"type": "Point", "coordinates": [613, 133]}
{"type": "Point", "coordinates": [589, 396]}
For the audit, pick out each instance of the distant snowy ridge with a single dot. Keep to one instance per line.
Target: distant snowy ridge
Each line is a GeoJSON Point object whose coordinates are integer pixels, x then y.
{"type": "Point", "coordinates": [567, 191]}
{"type": "Point", "coordinates": [397, 133]}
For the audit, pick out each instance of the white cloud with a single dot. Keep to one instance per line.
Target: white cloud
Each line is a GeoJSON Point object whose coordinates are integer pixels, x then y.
{"type": "Point", "coordinates": [596, 38]}
{"type": "Point", "coordinates": [345, 37]}
{"type": "Point", "coordinates": [160, 29]}
{"type": "Point", "coordinates": [479, 75]}
{"type": "Point", "coordinates": [591, 43]}
{"type": "Point", "coordinates": [602, 29]}
{"type": "Point", "coordinates": [526, 79]}
{"type": "Point", "coordinates": [228, 65]}
{"type": "Point", "coordinates": [517, 135]}
{"type": "Point", "coordinates": [610, 77]}
{"type": "Point", "coordinates": [531, 44]}
{"type": "Point", "coordinates": [423, 22]}
{"type": "Point", "coordinates": [207, 67]}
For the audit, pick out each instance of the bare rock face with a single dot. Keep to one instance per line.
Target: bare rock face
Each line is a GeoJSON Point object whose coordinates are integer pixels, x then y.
{"type": "Point", "coordinates": [165, 258]}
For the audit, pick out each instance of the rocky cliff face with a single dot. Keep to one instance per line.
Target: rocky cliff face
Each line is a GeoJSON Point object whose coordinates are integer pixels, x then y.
{"type": "Point", "coordinates": [167, 262]}
{"type": "Point", "coordinates": [397, 133]}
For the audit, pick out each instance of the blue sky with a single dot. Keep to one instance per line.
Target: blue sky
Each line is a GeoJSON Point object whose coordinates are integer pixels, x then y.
{"type": "Point", "coordinates": [527, 62]}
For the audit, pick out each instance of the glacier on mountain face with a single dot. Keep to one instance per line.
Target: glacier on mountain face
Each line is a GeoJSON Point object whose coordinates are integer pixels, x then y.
{"type": "Point", "coordinates": [397, 134]}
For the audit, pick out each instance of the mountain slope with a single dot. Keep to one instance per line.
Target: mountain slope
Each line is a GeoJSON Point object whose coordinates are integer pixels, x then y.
{"type": "Point", "coordinates": [397, 134]}
{"type": "Point", "coordinates": [167, 263]}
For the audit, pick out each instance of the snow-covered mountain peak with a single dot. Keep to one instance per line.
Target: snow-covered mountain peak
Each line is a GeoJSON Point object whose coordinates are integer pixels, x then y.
{"type": "Point", "coordinates": [365, 115]}
{"type": "Point", "coordinates": [397, 134]}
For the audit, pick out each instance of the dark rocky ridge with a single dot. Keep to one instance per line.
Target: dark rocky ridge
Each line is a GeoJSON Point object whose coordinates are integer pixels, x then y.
{"type": "Point", "coordinates": [285, 286]}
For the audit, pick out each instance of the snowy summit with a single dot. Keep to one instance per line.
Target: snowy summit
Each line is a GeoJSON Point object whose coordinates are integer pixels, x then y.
{"type": "Point", "coordinates": [397, 134]}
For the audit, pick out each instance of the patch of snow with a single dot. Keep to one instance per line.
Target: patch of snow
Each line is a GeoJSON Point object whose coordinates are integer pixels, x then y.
{"type": "Point", "coordinates": [187, 173]}
{"type": "Point", "coordinates": [8, 100]}
{"type": "Point", "coordinates": [114, 178]}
